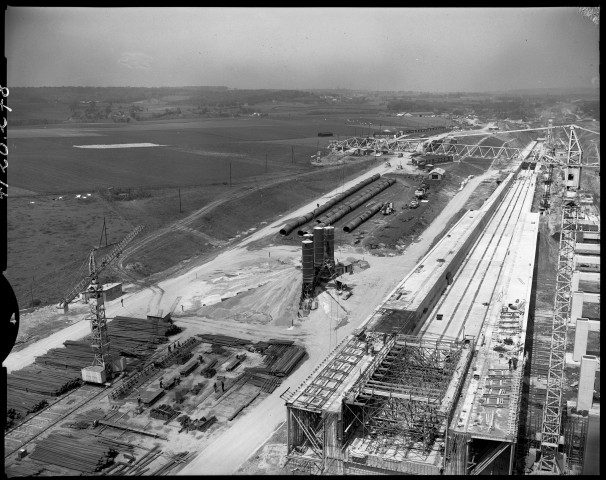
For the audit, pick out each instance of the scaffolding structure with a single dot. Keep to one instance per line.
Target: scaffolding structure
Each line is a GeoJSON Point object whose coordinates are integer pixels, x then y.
{"type": "Point", "coordinates": [403, 396]}
{"type": "Point", "coordinates": [398, 411]}
{"type": "Point", "coordinates": [314, 429]}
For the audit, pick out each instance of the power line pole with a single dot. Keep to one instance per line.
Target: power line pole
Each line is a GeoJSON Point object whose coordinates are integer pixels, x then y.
{"type": "Point", "coordinates": [179, 199]}
{"type": "Point", "coordinates": [230, 174]}
{"type": "Point", "coordinates": [266, 163]}
{"type": "Point", "coordinates": [292, 154]}
{"type": "Point", "coordinates": [102, 230]}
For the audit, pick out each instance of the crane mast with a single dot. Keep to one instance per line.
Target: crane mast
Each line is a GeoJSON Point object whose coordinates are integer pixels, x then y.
{"type": "Point", "coordinates": [102, 366]}
{"type": "Point", "coordinates": [552, 411]}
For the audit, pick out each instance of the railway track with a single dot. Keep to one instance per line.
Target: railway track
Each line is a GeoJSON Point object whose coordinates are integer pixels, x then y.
{"type": "Point", "coordinates": [477, 279]}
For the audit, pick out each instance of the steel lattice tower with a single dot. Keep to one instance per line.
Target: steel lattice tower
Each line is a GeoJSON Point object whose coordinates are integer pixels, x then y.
{"type": "Point", "coordinates": [552, 410]}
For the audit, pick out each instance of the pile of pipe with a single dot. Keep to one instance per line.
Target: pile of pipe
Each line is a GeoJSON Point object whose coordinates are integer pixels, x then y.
{"type": "Point", "coordinates": [353, 224]}
{"type": "Point", "coordinates": [78, 452]}
{"type": "Point", "coordinates": [351, 204]}
{"type": "Point", "coordinates": [290, 226]}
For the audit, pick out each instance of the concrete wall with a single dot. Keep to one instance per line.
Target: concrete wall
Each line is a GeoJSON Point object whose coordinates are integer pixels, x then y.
{"type": "Point", "coordinates": [580, 260]}
{"type": "Point", "coordinates": [581, 334]}
{"type": "Point", "coordinates": [589, 365]}
{"type": "Point", "coordinates": [577, 276]}
{"type": "Point", "coordinates": [576, 306]}
{"type": "Point", "coordinates": [587, 248]}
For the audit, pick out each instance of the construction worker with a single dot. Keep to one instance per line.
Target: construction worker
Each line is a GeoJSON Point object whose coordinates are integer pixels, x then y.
{"type": "Point", "coordinates": [122, 301]}
{"type": "Point", "coordinates": [515, 363]}
{"type": "Point", "coordinates": [161, 385]}
{"type": "Point", "coordinates": [215, 387]}
{"type": "Point", "coordinates": [509, 363]}
{"type": "Point", "coordinates": [222, 386]}
{"type": "Point", "coordinates": [139, 400]}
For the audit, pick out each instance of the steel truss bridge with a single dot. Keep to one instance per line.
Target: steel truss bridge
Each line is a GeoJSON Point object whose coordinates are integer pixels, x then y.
{"type": "Point", "coordinates": [457, 150]}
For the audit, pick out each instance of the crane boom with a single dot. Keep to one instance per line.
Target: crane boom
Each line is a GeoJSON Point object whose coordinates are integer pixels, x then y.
{"type": "Point", "coordinates": [95, 270]}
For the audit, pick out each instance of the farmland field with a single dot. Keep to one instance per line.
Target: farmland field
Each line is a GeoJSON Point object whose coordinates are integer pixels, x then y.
{"type": "Point", "coordinates": [50, 239]}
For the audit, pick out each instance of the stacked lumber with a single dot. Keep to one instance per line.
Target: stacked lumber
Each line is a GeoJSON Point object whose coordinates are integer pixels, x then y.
{"type": "Point", "coordinates": [242, 406]}
{"type": "Point", "coordinates": [78, 452]}
{"type": "Point", "coordinates": [283, 365]}
{"type": "Point", "coordinates": [223, 340]}
{"type": "Point", "coordinates": [267, 383]}
{"type": "Point", "coordinates": [233, 364]}
{"type": "Point", "coordinates": [210, 370]}
{"type": "Point", "coordinates": [178, 459]}
{"type": "Point", "coordinates": [207, 424]}
{"type": "Point", "coordinates": [187, 369]}
{"type": "Point", "coordinates": [59, 369]}
{"type": "Point", "coordinates": [163, 412]}
{"type": "Point", "coordinates": [20, 403]}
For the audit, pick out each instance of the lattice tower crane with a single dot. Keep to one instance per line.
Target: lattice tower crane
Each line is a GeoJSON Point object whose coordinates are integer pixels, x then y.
{"type": "Point", "coordinates": [552, 410]}
{"type": "Point", "coordinates": [100, 344]}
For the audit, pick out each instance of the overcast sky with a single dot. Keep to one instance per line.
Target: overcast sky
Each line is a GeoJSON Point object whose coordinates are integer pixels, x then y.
{"type": "Point", "coordinates": [421, 49]}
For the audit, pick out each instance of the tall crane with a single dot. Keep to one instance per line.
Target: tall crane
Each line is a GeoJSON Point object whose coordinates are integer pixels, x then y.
{"type": "Point", "coordinates": [102, 365]}
{"type": "Point", "coordinates": [74, 292]}
{"type": "Point", "coordinates": [552, 410]}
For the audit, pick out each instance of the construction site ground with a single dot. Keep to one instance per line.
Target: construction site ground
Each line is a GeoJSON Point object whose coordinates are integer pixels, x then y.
{"type": "Point", "coordinates": [236, 293]}
{"type": "Point", "coordinates": [248, 286]}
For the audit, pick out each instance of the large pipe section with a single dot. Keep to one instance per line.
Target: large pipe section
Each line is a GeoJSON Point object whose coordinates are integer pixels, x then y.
{"type": "Point", "coordinates": [290, 226]}
{"type": "Point", "coordinates": [348, 228]}
{"type": "Point", "coordinates": [355, 203]}
{"type": "Point", "coordinates": [345, 206]}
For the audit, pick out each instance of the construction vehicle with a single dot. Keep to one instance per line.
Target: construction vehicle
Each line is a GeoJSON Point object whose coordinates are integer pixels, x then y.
{"type": "Point", "coordinates": [421, 190]}
{"type": "Point", "coordinates": [102, 368]}
{"type": "Point", "coordinates": [387, 208]}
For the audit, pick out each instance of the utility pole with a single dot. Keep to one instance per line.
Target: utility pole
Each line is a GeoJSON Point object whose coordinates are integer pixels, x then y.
{"type": "Point", "coordinates": [102, 230]}
{"type": "Point", "coordinates": [230, 174]}
{"type": "Point", "coordinates": [266, 163]}
{"type": "Point", "coordinates": [179, 199]}
{"type": "Point", "coordinates": [31, 290]}
{"type": "Point", "coordinates": [292, 154]}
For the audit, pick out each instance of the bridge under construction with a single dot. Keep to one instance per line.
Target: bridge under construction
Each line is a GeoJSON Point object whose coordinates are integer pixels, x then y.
{"type": "Point", "coordinates": [431, 381]}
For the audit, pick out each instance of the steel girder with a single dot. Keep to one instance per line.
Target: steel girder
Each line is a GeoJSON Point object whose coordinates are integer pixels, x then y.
{"type": "Point", "coordinates": [478, 151]}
